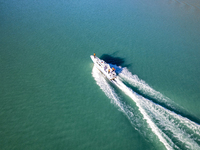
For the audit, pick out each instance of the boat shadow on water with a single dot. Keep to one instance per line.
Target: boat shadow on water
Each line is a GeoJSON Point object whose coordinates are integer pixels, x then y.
{"type": "Point", "coordinates": [117, 62]}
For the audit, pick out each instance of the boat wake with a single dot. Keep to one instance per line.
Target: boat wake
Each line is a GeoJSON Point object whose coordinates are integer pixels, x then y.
{"type": "Point", "coordinates": [151, 119]}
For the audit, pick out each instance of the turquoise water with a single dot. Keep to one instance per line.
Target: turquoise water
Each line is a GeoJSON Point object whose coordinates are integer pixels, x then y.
{"type": "Point", "coordinates": [53, 98]}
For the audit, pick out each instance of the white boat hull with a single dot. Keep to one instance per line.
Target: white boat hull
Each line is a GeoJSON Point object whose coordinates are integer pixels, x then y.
{"type": "Point", "coordinates": [104, 67]}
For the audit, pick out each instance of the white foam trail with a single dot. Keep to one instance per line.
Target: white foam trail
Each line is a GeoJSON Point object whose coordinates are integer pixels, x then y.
{"type": "Point", "coordinates": [154, 128]}
{"type": "Point", "coordinates": [110, 93]}
{"type": "Point", "coordinates": [170, 121]}
{"type": "Point", "coordinates": [166, 125]}
{"type": "Point", "coordinates": [134, 118]}
{"type": "Point", "coordinates": [165, 118]}
{"type": "Point", "coordinates": [149, 91]}
{"type": "Point", "coordinates": [141, 85]}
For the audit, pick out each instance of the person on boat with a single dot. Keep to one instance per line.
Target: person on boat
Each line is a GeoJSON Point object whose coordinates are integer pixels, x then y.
{"type": "Point", "coordinates": [94, 55]}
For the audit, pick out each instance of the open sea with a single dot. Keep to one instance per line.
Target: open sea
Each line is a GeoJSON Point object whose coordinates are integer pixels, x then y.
{"type": "Point", "coordinates": [53, 98]}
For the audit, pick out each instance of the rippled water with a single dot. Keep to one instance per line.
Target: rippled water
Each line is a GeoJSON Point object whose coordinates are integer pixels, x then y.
{"type": "Point", "coordinates": [52, 97]}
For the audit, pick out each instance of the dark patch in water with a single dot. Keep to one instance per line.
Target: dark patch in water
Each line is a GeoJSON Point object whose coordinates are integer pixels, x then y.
{"type": "Point", "coordinates": [111, 59]}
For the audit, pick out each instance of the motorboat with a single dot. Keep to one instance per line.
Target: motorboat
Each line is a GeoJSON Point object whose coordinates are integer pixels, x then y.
{"type": "Point", "coordinates": [104, 67]}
